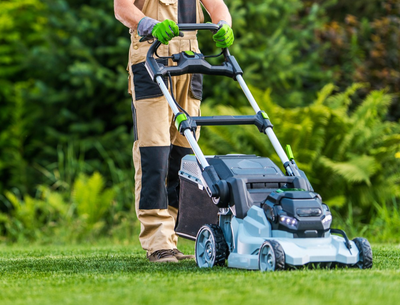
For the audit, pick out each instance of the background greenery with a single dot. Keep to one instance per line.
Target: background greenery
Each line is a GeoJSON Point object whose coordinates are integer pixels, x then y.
{"type": "Point", "coordinates": [327, 72]}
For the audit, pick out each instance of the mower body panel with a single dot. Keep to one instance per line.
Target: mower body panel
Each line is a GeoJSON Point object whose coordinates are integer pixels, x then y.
{"type": "Point", "coordinates": [251, 232]}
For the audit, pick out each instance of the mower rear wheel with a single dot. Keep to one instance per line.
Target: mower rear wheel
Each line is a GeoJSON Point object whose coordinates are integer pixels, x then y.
{"type": "Point", "coordinates": [211, 248]}
{"type": "Point", "coordinates": [271, 256]}
{"type": "Point", "coordinates": [365, 256]}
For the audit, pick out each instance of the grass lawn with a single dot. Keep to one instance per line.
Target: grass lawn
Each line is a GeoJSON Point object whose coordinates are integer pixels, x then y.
{"type": "Point", "coordinates": [116, 274]}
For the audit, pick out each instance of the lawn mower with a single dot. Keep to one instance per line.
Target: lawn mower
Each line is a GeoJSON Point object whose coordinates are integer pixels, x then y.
{"type": "Point", "coordinates": [244, 209]}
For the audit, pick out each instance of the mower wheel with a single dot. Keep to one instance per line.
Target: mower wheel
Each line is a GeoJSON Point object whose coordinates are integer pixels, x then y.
{"type": "Point", "coordinates": [271, 256]}
{"type": "Point", "coordinates": [365, 256]}
{"type": "Point", "coordinates": [211, 248]}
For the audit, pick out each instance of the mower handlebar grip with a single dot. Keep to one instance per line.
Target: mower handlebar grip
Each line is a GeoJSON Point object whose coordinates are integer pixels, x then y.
{"type": "Point", "coordinates": [197, 65]}
{"type": "Point", "coordinates": [198, 26]}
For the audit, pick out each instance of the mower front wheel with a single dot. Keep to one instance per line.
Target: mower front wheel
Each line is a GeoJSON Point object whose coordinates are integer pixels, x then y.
{"type": "Point", "coordinates": [271, 256]}
{"type": "Point", "coordinates": [211, 248]}
{"type": "Point", "coordinates": [365, 256]}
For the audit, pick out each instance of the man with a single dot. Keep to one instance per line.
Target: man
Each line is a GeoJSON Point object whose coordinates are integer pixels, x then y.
{"type": "Point", "coordinates": [158, 146]}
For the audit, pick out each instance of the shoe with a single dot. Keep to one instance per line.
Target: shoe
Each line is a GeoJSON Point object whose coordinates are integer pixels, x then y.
{"type": "Point", "coordinates": [180, 256]}
{"type": "Point", "coordinates": [162, 256]}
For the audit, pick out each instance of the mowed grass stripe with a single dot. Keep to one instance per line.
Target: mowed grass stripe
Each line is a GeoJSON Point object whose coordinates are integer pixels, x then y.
{"type": "Point", "coordinates": [121, 275]}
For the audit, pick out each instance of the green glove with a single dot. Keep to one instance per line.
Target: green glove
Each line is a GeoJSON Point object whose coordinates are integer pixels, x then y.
{"type": "Point", "coordinates": [165, 31]}
{"type": "Point", "coordinates": [224, 37]}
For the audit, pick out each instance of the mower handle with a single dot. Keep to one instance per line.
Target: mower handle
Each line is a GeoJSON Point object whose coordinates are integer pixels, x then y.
{"type": "Point", "coordinates": [198, 26]}
{"type": "Point", "coordinates": [190, 62]}
{"type": "Point", "coordinates": [185, 27]}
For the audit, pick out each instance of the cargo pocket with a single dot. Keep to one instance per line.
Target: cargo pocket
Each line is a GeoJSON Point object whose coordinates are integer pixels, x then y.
{"type": "Point", "coordinates": [143, 84]}
{"type": "Point", "coordinates": [168, 9]}
{"type": "Point", "coordinates": [196, 86]}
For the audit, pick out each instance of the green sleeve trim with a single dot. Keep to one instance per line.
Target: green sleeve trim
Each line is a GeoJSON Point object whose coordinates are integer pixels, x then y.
{"type": "Point", "coordinates": [289, 152]}
{"type": "Point", "coordinates": [179, 119]}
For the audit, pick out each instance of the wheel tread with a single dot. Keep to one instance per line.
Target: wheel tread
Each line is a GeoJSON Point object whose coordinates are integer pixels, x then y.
{"type": "Point", "coordinates": [365, 250]}
{"type": "Point", "coordinates": [221, 247]}
{"type": "Point", "coordinates": [279, 255]}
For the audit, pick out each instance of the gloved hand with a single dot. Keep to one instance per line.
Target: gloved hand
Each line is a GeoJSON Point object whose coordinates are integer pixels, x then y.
{"type": "Point", "coordinates": [163, 31]}
{"type": "Point", "coordinates": [224, 37]}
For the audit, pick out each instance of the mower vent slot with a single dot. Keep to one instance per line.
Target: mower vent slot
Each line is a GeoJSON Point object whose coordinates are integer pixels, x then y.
{"type": "Point", "coordinates": [263, 185]}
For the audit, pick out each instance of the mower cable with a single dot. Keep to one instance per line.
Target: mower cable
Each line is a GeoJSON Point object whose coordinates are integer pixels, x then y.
{"type": "Point", "coordinates": [173, 97]}
{"type": "Point", "coordinates": [347, 241]}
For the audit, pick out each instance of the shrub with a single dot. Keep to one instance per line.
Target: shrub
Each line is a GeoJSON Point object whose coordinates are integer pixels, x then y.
{"type": "Point", "coordinates": [363, 43]}
{"type": "Point", "coordinates": [276, 48]}
{"type": "Point", "coordinates": [56, 216]}
{"type": "Point", "coordinates": [62, 80]}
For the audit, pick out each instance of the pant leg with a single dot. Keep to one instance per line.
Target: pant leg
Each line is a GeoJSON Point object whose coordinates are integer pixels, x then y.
{"type": "Point", "coordinates": [150, 154]}
{"type": "Point", "coordinates": [154, 133]}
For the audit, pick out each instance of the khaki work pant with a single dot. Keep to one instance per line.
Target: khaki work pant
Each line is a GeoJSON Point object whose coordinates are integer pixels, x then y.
{"type": "Point", "coordinates": [155, 129]}
{"type": "Point", "coordinates": [158, 146]}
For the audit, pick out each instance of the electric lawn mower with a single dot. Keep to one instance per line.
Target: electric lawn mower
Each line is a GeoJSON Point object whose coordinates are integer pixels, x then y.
{"type": "Point", "coordinates": [243, 208]}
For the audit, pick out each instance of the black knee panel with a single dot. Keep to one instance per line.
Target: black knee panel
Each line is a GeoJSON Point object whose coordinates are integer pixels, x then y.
{"type": "Point", "coordinates": [154, 162]}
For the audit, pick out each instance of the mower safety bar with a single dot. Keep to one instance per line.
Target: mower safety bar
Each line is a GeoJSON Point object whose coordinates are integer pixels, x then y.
{"type": "Point", "coordinates": [259, 120]}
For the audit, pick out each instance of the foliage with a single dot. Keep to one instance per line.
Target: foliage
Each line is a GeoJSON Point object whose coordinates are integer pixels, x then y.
{"type": "Point", "coordinates": [92, 202]}
{"type": "Point", "coordinates": [65, 113]}
{"type": "Point", "coordinates": [349, 157]}
{"type": "Point", "coordinates": [364, 46]}
{"type": "Point", "coordinates": [276, 48]}
{"type": "Point", "coordinates": [67, 84]}
{"type": "Point", "coordinates": [54, 215]}
{"type": "Point", "coordinates": [71, 162]}
{"type": "Point", "coordinates": [386, 224]}
{"type": "Point", "coordinates": [371, 9]}
{"type": "Point", "coordinates": [20, 25]}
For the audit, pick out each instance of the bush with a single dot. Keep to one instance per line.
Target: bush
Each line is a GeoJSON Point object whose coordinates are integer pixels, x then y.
{"type": "Point", "coordinates": [86, 213]}
{"type": "Point", "coordinates": [20, 25]}
{"type": "Point", "coordinates": [276, 48]}
{"type": "Point", "coordinates": [364, 46]}
{"type": "Point", "coordinates": [64, 81]}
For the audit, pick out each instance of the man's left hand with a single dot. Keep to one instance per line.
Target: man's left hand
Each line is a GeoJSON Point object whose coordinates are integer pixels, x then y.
{"type": "Point", "coordinates": [224, 37]}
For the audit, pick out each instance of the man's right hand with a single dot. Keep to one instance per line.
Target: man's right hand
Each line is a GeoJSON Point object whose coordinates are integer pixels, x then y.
{"type": "Point", "coordinates": [165, 31]}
